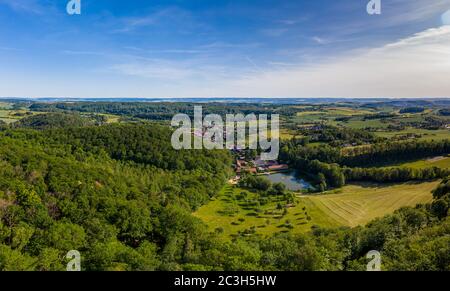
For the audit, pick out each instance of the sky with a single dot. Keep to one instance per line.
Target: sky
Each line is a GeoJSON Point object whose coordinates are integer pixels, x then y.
{"type": "Point", "coordinates": [225, 48]}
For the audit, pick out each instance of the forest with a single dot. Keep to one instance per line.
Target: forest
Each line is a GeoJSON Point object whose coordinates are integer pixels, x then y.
{"type": "Point", "coordinates": [160, 111]}
{"type": "Point", "coordinates": [330, 167]}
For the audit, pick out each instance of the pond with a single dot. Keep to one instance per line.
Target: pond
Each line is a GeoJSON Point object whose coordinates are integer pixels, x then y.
{"type": "Point", "coordinates": [290, 179]}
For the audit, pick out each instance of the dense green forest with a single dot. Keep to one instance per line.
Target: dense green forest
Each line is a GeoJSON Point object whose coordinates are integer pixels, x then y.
{"type": "Point", "coordinates": [330, 167]}
{"type": "Point", "coordinates": [412, 110]}
{"type": "Point", "coordinates": [338, 136]}
{"type": "Point", "coordinates": [124, 198]}
{"type": "Point", "coordinates": [55, 120]}
{"type": "Point", "coordinates": [161, 111]}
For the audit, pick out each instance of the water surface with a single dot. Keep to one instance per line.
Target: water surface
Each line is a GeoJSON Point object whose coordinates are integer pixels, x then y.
{"type": "Point", "coordinates": [290, 179]}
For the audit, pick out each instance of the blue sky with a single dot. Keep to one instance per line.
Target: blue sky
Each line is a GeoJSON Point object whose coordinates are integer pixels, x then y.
{"type": "Point", "coordinates": [239, 48]}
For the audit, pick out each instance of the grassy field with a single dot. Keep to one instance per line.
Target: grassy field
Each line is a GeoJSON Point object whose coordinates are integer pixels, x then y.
{"type": "Point", "coordinates": [358, 123]}
{"type": "Point", "coordinates": [328, 114]}
{"type": "Point", "coordinates": [110, 118]}
{"type": "Point", "coordinates": [10, 116]}
{"type": "Point", "coordinates": [440, 162]}
{"type": "Point", "coordinates": [234, 215]}
{"type": "Point", "coordinates": [350, 206]}
{"type": "Point", "coordinates": [5, 106]}
{"type": "Point", "coordinates": [356, 120]}
{"type": "Point", "coordinates": [286, 134]}
{"type": "Point", "coordinates": [358, 204]}
{"type": "Point", "coordinates": [426, 134]}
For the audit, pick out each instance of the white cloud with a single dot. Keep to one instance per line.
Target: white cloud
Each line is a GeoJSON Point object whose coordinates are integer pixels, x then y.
{"type": "Point", "coordinates": [168, 71]}
{"type": "Point", "coordinates": [417, 66]}
{"type": "Point", "coordinates": [406, 11]}
{"type": "Point", "coordinates": [293, 21]}
{"type": "Point", "coordinates": [320, 40]}
{"type": "Point", "coordinates": [446, 18]}
{"type": "Point", "coordinates": [165, 17]}
{"type": "Point", "coordinates": [154, 70]}
{"type": "Point", "coordinates": [227, 45]}
{"type": "Point", "coordinates": [274, 32]}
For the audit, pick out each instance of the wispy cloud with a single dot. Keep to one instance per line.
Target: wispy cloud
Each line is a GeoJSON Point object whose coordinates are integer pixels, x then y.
{"type": "Point", "coordinates": [222, 44]}
{"type": "Point", "coordinates": [166, 70]}
{"type": "Point", "coordinates": [446, 17]}
{"type": "Point", "coordinates": [213, 48]}
{"type": "Point", "coordinates": [320, 40]}
{"type": "Point", "coordinates": [415, 66]}
{"type": "Point", "coordinates": [166, 17]}
{"type": "Point", "coordinates": [28, 6]}
{"type": "Point", "coordinates": [83, 53]}
{"type": "Point", "coordinates": [402, 12]}
{"type": "Point", "coordinates": [156, 69]}
{"type": "Point", "coordinates": [293, 21]}
{"type": "Point", "coordinates": [166, 51]}
{"type": "Point", "coordinates": [395, 14]}
{"type": "Point", "coordinates": [5, 48]}
{"type": "Point", "coordinates": [274, 32]}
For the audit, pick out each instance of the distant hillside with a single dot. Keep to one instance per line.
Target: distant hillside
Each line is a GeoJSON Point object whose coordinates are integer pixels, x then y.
{"type": "Point", "coordinates": [54, 120]}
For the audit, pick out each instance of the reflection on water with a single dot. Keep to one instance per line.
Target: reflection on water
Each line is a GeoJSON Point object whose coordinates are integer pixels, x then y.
{"type": "Point", "coordinates": [290, 179]}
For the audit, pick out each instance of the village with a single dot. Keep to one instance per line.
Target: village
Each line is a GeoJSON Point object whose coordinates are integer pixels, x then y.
{"type": "Point", "coordinates": [252, 164]}
{"type": "Point", "coordinates": [247, 160]}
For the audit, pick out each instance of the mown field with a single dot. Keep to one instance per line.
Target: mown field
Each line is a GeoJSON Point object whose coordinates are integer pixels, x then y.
{"type": "Point", "coordinates": [10, 115]}
{"type": "Point", "coordinates": [440, 162]}
{"type": "Point", "coordinates": [358, 204]}
{"type": "Point", "coordinates": [352, 205]}
{"type": "Point", "coordinates": [425, 134]}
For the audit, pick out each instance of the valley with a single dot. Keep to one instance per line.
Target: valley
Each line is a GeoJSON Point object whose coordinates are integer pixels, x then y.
{"type": "Point", "coordinates": [103, 178]}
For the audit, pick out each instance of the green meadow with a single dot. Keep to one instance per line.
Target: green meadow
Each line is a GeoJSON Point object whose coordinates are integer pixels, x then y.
{"type": "Point", "coordinates": [235, 211]}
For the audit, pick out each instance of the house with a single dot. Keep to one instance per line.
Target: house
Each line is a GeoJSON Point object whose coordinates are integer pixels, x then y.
{"type": "Point", "coordinates": [241, 163]}
{"type": "Point", "coordinates": [259, 163]}
{"type": "Point", "coordinates": [279, 167]}
{"type": "Point", "coordinates": [271, 163]}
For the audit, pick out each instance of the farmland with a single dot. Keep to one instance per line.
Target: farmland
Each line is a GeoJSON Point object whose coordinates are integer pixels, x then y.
{"type": "Point", "coordinates": [440, 162]}
{"type": "Point", "coordinates": [351, 206]}
{"type": "Point", "coordinates": [231, 214]}
{"type": "Point", "coordinates": [107, 173]}
{"type": "Point", "coordinates": [358, 204]}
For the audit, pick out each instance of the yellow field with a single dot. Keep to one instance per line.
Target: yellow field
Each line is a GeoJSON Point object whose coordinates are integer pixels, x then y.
{"type": "Point", "coordinates": [10, 116]}
{"type": "Point", "coordinates": [440, 162]}
{"type": "Point", "coordinates": [426, 134]}
{"type": "Point", "coordinates": [358, 204]}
